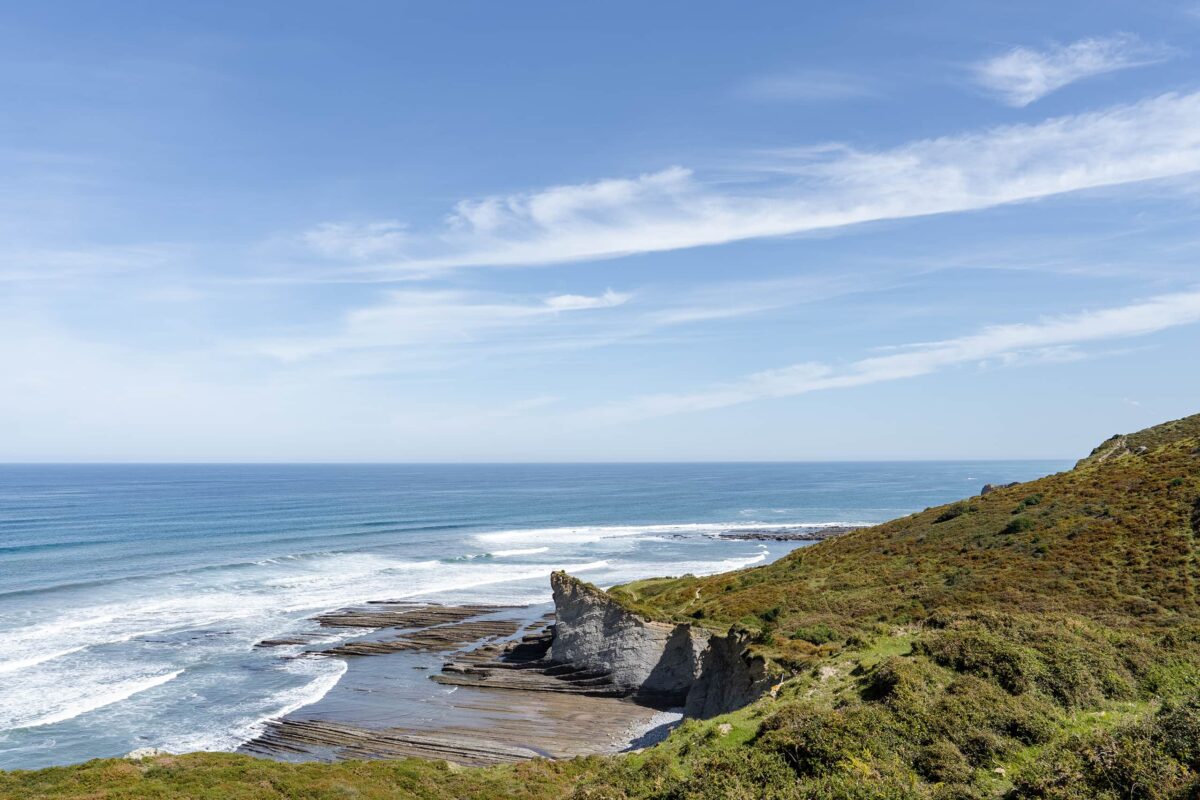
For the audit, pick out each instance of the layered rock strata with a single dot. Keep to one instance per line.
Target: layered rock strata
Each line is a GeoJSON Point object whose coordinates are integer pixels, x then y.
{"type": "Point", "coordinates": [660, 663]}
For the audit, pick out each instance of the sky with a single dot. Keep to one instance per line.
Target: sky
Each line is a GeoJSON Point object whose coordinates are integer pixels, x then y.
{"type": "Point", "coordinates": [540, 231]}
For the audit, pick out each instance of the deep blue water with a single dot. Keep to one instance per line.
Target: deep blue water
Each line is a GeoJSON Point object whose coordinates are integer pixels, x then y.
{"type": "Point", "coordinates": [131, 596]}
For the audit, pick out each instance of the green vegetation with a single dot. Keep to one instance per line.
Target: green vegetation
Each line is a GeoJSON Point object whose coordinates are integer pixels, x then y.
{"type": "Point", "coordinates": [1041, 641]}
{"type": "Point", "coordinates": [223, 776]}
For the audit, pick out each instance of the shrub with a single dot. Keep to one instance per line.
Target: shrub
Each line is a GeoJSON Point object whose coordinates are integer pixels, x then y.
{"type": "Point", "coordinates": [971, 706]}
{"type": "Point", "coordinates": [1144, 761]}
{"type": "Point", "coordinates": [942, 762]}
{"type": "Point", "coordinates": [1178, 728]}
{"type": "Point", "coordinates": [953, 511]}
{"type": "Point", "coordinates": [816, 741]}
{"type": "Point", "coordinates": [742, 774]}
{"type": "Point", "coordinates": [772, 614]}
{"type": "Point", "coordinates": [819, 633]}
{"type": "Point", "coordinates": [598, 792]}
{"type": "Point", "coordinates": [1019, 525]}
{"type": "Point", "coordinates": [982, 653]}
{"type": "Point", "coordinates": [1034, 499]}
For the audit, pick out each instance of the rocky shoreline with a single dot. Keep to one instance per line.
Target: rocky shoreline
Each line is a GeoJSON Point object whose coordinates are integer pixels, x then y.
{"type": "Point", "coordinates": [504, 699]}
{"type": "Point", "coordinates": [588, 677]}
{"type": "Point", "coordinates": [799, 533]}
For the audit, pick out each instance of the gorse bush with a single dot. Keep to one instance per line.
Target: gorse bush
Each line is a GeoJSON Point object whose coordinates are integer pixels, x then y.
{"type": "Point", "coordinates": [1019, 525]}
{"type": "Point", "coordinates": [952, 511]}
{"type": "Point", "coordinates": [1030, 500]}
{"type": "Point", "coordinates": [1152, 759]}
{"type": "Point", "coordinates": [815, 634]}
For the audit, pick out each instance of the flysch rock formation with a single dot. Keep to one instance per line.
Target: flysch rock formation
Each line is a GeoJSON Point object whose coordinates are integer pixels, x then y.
{"type": "Point", "coordinates": [565, 687]}
{"type": "Point", "coordinates": [660, 663]}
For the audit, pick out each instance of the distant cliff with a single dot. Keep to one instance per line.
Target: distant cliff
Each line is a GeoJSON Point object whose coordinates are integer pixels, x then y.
{"type": "Point", "coordinates": [670, 664]}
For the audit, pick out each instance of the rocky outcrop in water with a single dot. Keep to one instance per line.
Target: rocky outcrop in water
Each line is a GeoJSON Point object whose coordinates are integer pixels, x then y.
{"type": "Point", "coordinates": [670, 664]}
{"type": "Point", "coordinates": [794, 534]}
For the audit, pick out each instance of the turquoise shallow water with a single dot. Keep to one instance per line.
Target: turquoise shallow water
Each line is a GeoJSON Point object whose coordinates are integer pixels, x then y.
{"type": "Point", "coordinates": [131, 596]}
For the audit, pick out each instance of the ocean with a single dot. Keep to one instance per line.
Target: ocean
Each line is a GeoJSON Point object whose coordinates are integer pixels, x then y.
{"type": "Point", "coordinates": [131, 596]}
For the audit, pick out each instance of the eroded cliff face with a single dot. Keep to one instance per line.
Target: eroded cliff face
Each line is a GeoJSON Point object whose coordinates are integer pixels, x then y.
{"type": "Point", "coordinates": [658, 662]}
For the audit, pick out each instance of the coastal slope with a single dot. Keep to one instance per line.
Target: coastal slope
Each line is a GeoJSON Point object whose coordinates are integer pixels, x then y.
{"type": "Point", "coordinates": [1039, 641]}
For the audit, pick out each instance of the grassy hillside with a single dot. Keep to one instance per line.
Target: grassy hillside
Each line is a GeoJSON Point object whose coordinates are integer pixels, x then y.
{"type": "Point", "coordinates": [1042, 641]}
{"type": "Point", "coordinates": [1121, 443]}
{"type": "Point", "coordinates": [1111, 541]}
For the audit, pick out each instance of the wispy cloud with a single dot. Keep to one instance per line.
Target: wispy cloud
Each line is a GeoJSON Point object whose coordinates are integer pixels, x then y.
{"type": "Point", "coordinates": [421, 330]}
{"type": "Point", "coordinates": [407, 318]}
{"type": "Point", "coordinates": [805, 190]}
{"type": "Point", "coordinates": [1053, 339]}
{"type": "Point", "coordinates": [1023, 75]}
{"type": "Point", "coordinates": [56, 264]}
{"type": "Point", "coordinates": [357, 240]}
{"type": "Point", "coordinates": [805, 85]}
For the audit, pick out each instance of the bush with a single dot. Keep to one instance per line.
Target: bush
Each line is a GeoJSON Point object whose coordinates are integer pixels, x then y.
{"type": "Point", "coordinates": [598, 792]}
{"type": "Point", "coordinates": [943, 762]}
{"type": "Point", "coordinates": [953, 511]}
{"type": "Point", "coordinates": [982, 653]}
{"type": "Point", "coordinates": [1151, 760]}
{"type": "Point", "coordinates": [971, 705]}
{"type": "Point", "coordinates": [1071, 661]}
{"type": "Point", "coordinates": [1032, 500]}
{"type": "Point", "coordinates": [1178, 728]}
{"type": "Point", "coordinates": [816, 741]}
{"type": "Point", "coordinates": [1019, 525]}
{"type": "Point", "coordinates": [743, 774]}
{"type": "Point", "coordinates": [815, 634]}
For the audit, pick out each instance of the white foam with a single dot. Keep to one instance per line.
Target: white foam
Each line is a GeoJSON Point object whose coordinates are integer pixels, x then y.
{"type": "Point", "coordinates": [72, 661]}
{"type": "Point", "coordinates": [86, 650]}
{"type": "Point", "coordinates": [595, 533]}
{"type": "Point", "coordinates": [255, 603]}
{"type": "Point", "coordinates": [114, 694]}
{"type": "Point", "coordinates": [328, 672]}
{"type": "Point", "coordinates": [18, 664]}
{"type": "Point", "coordinates": [520, 551]}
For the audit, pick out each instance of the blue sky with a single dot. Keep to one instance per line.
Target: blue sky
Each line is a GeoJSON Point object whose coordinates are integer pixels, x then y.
{"type": "Point", "coordinates": [393, 231]}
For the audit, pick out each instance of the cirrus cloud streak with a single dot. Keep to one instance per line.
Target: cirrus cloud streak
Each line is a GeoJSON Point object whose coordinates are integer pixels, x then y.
{"type": "Point", "coordinates": [1023, 75]}
{"type": "Point", "coordinates": [795, 192]}
{"type": "Point", "coordinates": [1052, 339]}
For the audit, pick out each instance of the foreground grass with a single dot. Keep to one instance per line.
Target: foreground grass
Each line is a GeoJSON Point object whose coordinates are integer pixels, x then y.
{"type": "Point", "coordinates": [225, 776]}
{"type": "Point", "coordinates": [1042, 641]}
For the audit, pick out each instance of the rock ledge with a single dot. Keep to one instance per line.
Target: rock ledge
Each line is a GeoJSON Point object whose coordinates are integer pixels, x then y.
{"type": "Point", "coordinates": [658, 663]}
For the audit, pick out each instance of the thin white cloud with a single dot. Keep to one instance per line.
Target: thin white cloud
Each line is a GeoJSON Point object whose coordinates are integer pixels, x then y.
{"type": "Point", "coordinates": [1054, 339]}
{"type": "Point", "coordinates": [56, 264]}
{"type": "Point", "coordinates": [581, 302]}
{"type": "Point", "coordinates": [806, 190]}
{"type": "Point", "coordinates": [422, 330]}
{"type": "Point", "coordinates": [1023, 75]}
{"type": "Point", "coordinates": [430, 318]}
{"type": "Point", "coordinates": [805, 85]}
{"type": "Point", "coordinates": [356, 240]}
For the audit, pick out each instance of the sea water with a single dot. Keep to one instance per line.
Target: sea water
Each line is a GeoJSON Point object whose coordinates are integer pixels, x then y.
{"type": "Point", "coordinates": [131, 597]}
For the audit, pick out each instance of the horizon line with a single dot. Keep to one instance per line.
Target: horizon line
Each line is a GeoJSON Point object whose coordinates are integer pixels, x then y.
{"type": "Point", "coordinates": [519, 463]}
